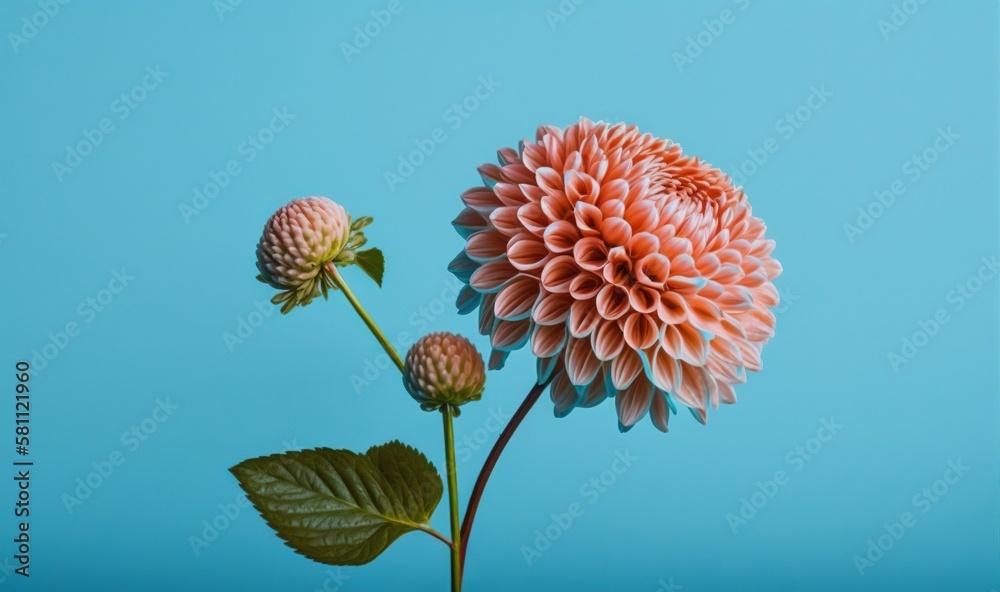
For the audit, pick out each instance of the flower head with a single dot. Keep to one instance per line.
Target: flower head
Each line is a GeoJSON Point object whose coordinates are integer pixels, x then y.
{"type": "Point", "coordinates": [298, 243]}
{"type": "Point", "coordinates": [632, 270]}
{"type": "Point", "coordinates": [444, 370]}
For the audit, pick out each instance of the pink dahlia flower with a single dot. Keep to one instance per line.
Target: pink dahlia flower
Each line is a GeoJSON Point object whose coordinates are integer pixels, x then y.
{"type": "Point", "coordinates": [633, 271]}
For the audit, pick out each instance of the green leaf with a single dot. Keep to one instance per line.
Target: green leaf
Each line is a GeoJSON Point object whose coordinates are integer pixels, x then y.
{"type": "Point", "coordinates": [339, 507]}
{"type": "Point", "coordinates": [373, 263]}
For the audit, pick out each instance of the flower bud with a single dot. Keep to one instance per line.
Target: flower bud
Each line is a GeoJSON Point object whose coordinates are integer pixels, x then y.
{"type": "Point", "coordinates": [299, 244]}
{"type": "Point", "coordinates": [444, 370]}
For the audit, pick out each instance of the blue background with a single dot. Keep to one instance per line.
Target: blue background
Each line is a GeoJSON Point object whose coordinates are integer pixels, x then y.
{"type": "Point", "coordinates": [664, 520]}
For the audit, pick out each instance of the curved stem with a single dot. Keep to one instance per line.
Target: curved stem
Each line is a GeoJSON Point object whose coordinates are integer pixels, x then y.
{"type": "Point", "coordinates": [449, 433]}
{"type": "Point", "coordinates": [491, 461]}
{"type": "Point", "coordinates": [436, 535]}
{"type": "Point", "coordinates": [340, 283]}
{"type": "Point", "coordinates": [449, 449]}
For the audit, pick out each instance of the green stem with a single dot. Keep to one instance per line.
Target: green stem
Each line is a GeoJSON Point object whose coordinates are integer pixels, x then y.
{"type": "Point", "coordinates": [449, 434]}
{"type": "Point", "coordinates": [456, 525]}
{"type": "Point", "coordinates": [382, 339]}
{"type": "Point", "coordinates": [435, 534]}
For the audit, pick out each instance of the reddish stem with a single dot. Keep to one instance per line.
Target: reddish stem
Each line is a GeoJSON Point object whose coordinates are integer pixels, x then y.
{"type": "Point", "coordinates": [491, 461]}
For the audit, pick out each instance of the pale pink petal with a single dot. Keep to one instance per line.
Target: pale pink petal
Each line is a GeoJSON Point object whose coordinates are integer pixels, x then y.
{"type": "Point", "coordinates": [653, 270]}
{"type": "Point", "coordinates": [730, 256]}
{"type": "Point", "coordinates": [633, 403]}
{"type": "Point", "coordinates": [497, 359]}
{"type": "Point", "coordinates": [755, 280]}
{"type": "Point", "coordinates": [515, 301]}
{"type": "Point", "coordinates": [548, 340]}
{"type": "Point", "coordinates": [762, 249]}
{"type": "Point", "coordinates": [672, 308]}
{"type": "Point", "coordinates": [759, 324]}
{"type": "Point", "coordinates": [510, 335]}
{"type": "Point", "coordinates": [684, 284]}
{"type": "Point", "coordinates": [583, 318]}
{"type": "Point", "coordinates": [585, 286]}
{"type": "Point", "coordinates": [555, 152]}
{"type": "Point", "coordinates": [724, 371]}
{"type": "Point", "coordinates": [486, 246]}
{"type": "Point", "coordinates": [666, 370]}
{"type": "Point", "coordinates": [490, 173]}
{"type": "Point", "coordinates": [552, 309]}
{"type": "Point", "coordinates": [640, 331]}
{"type": "Point", "coordinates": [580, 187]}
{"type": "Point", "coordinates": [561, 236]}
{"type": "Point", "coordinates": [549, 180]}
{"type": "Point", "coordinates": [676, 248]}
{"type": "Point", "coordinates": [767, 295]}
{"type": "Point", "coordinates": [708, 264]}
{"type": "Point", "coordinates": [643, 299]}
{"type": "Point", "coordinates": [533, 155]}
{"type": "Point", "coordinates": [591, 253]}
{"type": "Point", "coordinates": [510, 194]}
{"type": "Point", "coordinates": [615, 231]}
{"type": "Point", "coordinates": [463, 267]}
{"type": "Point", "coordinates": [693, 389]}
{"type": "Point", "coordinates": [613, 208]}
{"type": "Point", "coordinates": [516, 172]}
{"type": "Point", "coordinates": [612, 301]}
{"type": "Point", "coordinates": [507, 156]}
{"type": "Point", "coordinates": [468, 300]}
{"type": "Point", "coordinates": [492, 276]}
{"type": "Point", "coordinates": [725, 351]}
{"type": "Point", "coordinates": [487, 318]}
{"type": "Point", "coordinates": [735, 299]}
{"type": "Point", "coordinates": [597, 391]}
{"type": "Point", "coordinates": [728, 274]}
{"type": "Point", "coordinates": [686, 343]}
{"type": "Point", "coordinates": [772, 268]}
{"type": "Point", "coordinates": [556, 206]}
{"type": "Point", "coordinates": [588, 219]}
{"type": "Point", "coordinates": [526, 253]}
{"type": "Point", "coordinates": [481, 199]}
{"type": "Point", "coordinates": [563, 394]}
{"type": "Point", "coordinates": [558, 274]}
{"type": "Point", "coordinates": [625, 368]}
{"type": "Point", "coordinates": [642, 244]}
{"type": "Point", "coordinates": [581, 363]}
{"type": "Point", "coordinates": [727, 393]}
{"type": "Point", "coordinates": [659, 412]}
{"type": "Point", "coordinates": [682, 264]}
{"type": "Point", "coordinates": [533, 218]}
{"type": "Point", "coordinates": [534, 193]}
{"type": "Point", "coordinates": [618, 270]}
{"type": "Point", "coordinates": [505, 220]}
{"type": "Point", "coordinates": [608, 340]}
{"type": "Point", "coordinates": [642, 216]}
{"type": "Point", "coordinates": [469, 221]}
{"type": "Point", "coordinates": [614, 190]}
{"type": "Point", "coordinates": [704, 314]}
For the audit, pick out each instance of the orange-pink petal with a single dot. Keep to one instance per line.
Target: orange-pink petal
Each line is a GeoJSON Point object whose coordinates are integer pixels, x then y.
{"type": "Point", "coordinates": [515, 301]}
